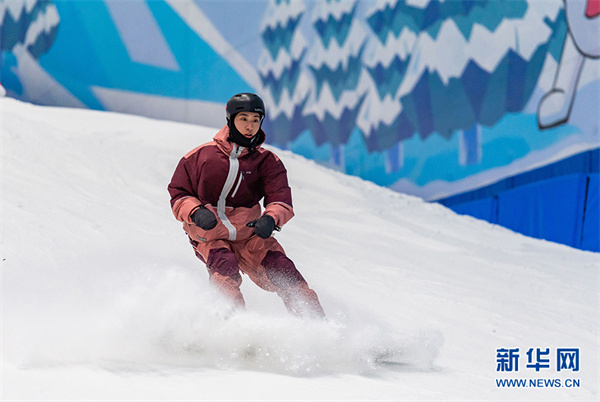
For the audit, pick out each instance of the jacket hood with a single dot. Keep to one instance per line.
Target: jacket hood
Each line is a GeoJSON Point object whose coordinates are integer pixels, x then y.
{"type": "Point", "coordinates": [222, 139]}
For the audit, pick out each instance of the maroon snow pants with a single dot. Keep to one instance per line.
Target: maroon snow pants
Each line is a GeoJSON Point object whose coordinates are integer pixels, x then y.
{"type": "Point", "coordinates": [266, 264]}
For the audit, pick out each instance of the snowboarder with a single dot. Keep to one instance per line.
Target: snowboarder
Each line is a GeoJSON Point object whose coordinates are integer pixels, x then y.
{"type": "Point", "coordinates": [215, 191]}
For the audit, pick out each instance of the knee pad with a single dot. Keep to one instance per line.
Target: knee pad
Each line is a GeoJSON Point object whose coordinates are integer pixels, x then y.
{"type": "Point", "coordinates": [281, 271]}
{"type": "Point", "coordinates": [223, 262]}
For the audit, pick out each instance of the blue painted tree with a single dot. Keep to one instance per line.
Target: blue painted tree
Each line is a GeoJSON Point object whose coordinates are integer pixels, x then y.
{"type": "Point", "coordinates": [335, 62]}
{"type": "Point", "coordinates": [29, 26]}
{"type": "Point", "coordinates": [280, 69]}
{"type": "Point", "coordinates": [450, 80]}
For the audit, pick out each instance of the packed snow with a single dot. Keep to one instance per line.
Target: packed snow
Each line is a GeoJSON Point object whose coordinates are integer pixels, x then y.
{"type": "Point", "coordinates": [103, 298]}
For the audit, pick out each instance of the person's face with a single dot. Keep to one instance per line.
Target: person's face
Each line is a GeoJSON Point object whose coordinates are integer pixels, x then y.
{"type": "Point", "coordinates": [247, 123]}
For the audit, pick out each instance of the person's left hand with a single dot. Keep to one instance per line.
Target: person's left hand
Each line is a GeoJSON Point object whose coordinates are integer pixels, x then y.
{"type": "Point", "coordinates": [263, 227]}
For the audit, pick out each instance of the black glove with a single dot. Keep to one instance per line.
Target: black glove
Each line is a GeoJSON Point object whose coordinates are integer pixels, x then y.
{"type": "Point", "coordinates": [204, 219]}
{"type": "Point", "coordinates": [263, 227]}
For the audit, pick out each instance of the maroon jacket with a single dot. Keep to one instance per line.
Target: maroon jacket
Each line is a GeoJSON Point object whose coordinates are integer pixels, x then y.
{"type": "Point", "coordinates": [230, 181]}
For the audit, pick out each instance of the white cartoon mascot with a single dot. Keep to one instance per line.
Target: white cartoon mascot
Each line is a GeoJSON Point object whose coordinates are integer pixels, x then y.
{"type": "Point", "coordinates": [582, 41]}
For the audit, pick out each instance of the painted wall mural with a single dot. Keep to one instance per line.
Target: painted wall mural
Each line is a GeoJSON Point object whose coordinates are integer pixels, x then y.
{"type": "Point", "coordinates": [434, 98]}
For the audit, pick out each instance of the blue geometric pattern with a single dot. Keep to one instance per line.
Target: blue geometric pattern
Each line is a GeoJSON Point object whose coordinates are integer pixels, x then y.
{"type": "Point", "coordinates": [287, 79]}
{"type": "Point", "coordinates": [434, 105]}
{"type": "Point", "coordinates": [13, 31]}
{"type": "Point", "coordinates": [340, 79]}
{"type": "Point", "coordinates": [8, 62]}
{"type": "Point", "coordinates": [335, 28]}
{"type": "Point", "coordinates": [331, 129]}
{"type": "Point", "coordinates": [476, 97]}
{"type": "Point", "coordinates": [388, 79]}
{"type": "Point", "coordinates": [280, 36]}
{"type": "Point", "coordinates": [465, 13]}
{"type": "Point", "coordinates": [282, 129]}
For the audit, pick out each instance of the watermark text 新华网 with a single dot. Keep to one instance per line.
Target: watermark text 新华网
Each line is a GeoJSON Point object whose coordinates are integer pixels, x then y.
{"type": "Point", "coordinates": [537, 360]}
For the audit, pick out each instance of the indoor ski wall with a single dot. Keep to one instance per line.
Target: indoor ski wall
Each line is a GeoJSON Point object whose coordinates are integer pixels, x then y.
{"type": "Point", "coordinates": [463, 102]}
{"type": "Point", "coordinates": [559, 202]}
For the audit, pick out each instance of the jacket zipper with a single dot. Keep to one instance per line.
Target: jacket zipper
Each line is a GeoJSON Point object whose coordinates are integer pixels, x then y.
{"type": "Point", "coordinates": [234, 165]}
{"type": "Point", "coordinates": [238, 184]}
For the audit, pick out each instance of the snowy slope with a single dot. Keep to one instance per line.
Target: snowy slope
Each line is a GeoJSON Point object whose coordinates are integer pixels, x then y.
{"type": "Point", "coordinates": [102, 297]}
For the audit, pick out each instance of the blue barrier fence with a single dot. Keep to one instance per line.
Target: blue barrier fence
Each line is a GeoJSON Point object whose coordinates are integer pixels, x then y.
{"type": "Point", "coordinates": [558, 202]}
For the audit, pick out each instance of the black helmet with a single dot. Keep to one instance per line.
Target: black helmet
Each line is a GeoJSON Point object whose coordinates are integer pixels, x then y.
{"type": "Point", "coordinates": [245, 102]}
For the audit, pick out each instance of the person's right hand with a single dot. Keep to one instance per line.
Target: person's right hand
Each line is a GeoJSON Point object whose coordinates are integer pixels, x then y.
{"type": "Point", "coordinates": [204, 218]}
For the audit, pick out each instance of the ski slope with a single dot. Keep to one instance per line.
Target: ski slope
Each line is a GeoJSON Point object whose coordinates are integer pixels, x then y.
{"type": "Point", "coordinates": [103, 299]}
